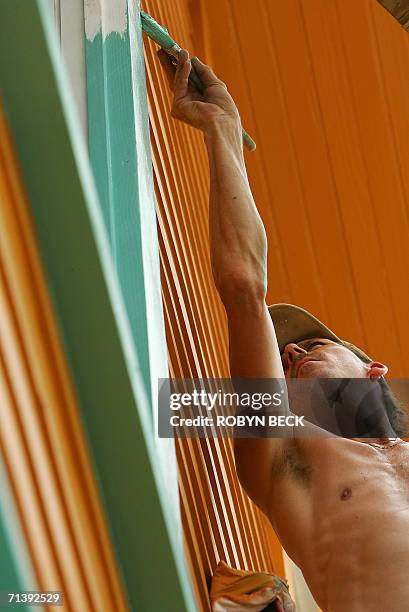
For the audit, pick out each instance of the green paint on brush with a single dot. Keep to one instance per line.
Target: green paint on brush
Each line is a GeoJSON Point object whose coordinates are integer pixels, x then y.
{"type": "Point", "coordinates": [157, 32]}
{"type": "Point", "coordinates": [161, 37]}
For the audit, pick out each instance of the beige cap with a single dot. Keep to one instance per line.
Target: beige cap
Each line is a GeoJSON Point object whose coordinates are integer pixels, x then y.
{"type": "Point", "coordinates": [294, 324]}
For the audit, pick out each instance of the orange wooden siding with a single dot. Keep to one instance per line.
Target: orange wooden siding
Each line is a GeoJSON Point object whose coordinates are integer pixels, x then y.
{"type": "Point", "coordinates": [41, 437]}
{"type": "Point", "coordinates": [323, 88]}
{"type": "Point", "coordinates": [219, 520]}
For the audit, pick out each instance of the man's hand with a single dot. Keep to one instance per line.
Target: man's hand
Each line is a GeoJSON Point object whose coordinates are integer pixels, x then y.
{"type": "Point", "coordinates": [201, 110]}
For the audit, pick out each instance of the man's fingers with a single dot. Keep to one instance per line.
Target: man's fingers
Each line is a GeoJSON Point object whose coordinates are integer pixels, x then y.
{"type": "Point", "coordinates": [167, 66]}
{"type": "Point", "coordinates": [206, 74]}
{"type": "Point", "coordinates": [181, 83]}
{"type": "Point", "coordinates": [178, 77]}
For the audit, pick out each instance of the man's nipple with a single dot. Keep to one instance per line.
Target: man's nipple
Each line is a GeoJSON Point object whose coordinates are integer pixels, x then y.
{"type": "Point", "coordinates": [346, 494]}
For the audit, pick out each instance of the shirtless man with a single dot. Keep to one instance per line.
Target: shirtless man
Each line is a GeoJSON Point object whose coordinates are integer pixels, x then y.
{"type": "Point", "coordinates": [339, 506]}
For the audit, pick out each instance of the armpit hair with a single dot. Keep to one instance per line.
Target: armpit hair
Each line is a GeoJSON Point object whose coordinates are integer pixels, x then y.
{"type": "Point", "coordinates": [293, 463]}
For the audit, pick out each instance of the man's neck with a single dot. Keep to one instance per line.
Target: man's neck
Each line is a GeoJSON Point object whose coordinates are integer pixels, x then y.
{"type": "Point", "coordinates": [352, 408]}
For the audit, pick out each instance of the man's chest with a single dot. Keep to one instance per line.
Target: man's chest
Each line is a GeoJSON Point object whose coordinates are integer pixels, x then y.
{"type": "Point", "coordinates": [343, 476]}
{"type": "Point", "coordinates": [362, 479]}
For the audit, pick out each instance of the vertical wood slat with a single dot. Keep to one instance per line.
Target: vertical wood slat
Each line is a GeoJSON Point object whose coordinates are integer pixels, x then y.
{"type": "Point", "coordinates": [41, 436]}
{"type": "Point", "coordinates": [219, 520]}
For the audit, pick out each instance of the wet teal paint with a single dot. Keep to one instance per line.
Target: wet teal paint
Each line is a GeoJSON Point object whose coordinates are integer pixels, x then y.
{"type": "Point", "coordinates": [120, 152]}
{"type": "Point", "coordinates": [113, 155]}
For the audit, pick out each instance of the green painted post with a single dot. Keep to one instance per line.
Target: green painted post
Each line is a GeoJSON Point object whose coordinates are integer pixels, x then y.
{"type": "Point", "coordinates": [93, 320]}
{"type": "Point", "coordinates": [120, 153]}
{"type": "Point", "coordinates": [111, 138]}
{"type": "Point", "coordinates": [113, 154]}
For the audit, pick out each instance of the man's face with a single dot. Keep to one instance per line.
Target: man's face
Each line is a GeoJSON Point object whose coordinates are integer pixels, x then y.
{"type": "Point", "coordinates": [321, 358]}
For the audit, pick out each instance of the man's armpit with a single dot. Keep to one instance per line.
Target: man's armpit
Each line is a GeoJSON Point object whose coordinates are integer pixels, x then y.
{"type": "Point", "coordinates": [291, 462]}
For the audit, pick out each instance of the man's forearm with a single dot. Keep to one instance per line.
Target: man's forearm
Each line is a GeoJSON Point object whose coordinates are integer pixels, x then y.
{"type": "Point", "coordinates": [238, 245]}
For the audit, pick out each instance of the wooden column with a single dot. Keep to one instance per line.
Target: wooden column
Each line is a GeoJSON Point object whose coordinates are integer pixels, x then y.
{"type": "Point", "coordinates": [399, 9]}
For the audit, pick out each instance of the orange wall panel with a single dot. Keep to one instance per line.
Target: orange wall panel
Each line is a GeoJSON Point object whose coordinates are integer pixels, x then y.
{"type": "Point", "coordinates": [323, 88]}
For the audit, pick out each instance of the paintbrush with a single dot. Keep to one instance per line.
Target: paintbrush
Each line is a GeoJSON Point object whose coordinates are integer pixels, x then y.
{"type": "Point", "coordinates": [399, 9]}
{"type": "Point", "coordinates": [161, 37]}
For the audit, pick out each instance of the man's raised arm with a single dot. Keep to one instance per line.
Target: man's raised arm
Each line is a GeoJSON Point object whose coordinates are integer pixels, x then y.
{"type": "Point", "coordinates": [238, 250]}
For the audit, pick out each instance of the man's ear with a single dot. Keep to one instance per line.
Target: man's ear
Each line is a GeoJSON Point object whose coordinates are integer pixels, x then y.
{"type": "Point", "coordinates": [376, 369]}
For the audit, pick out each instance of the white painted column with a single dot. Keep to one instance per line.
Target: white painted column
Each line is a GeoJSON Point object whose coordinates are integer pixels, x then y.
{"type": "Point", "coordinates": [69, 23]}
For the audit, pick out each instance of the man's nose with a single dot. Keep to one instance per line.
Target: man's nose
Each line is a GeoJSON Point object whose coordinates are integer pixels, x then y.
{"type": "Point", "coordinates": [292, 351]}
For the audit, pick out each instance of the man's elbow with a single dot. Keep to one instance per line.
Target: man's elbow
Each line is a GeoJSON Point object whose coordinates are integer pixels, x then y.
{"type": "Point", "coordinates": [242, 292]}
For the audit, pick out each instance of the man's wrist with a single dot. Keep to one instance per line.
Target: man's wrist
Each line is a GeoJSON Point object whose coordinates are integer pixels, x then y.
{"type": "Point", "coordinates": [224, 130]}
{"type": "Point", "coordinates": [223, 127]}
